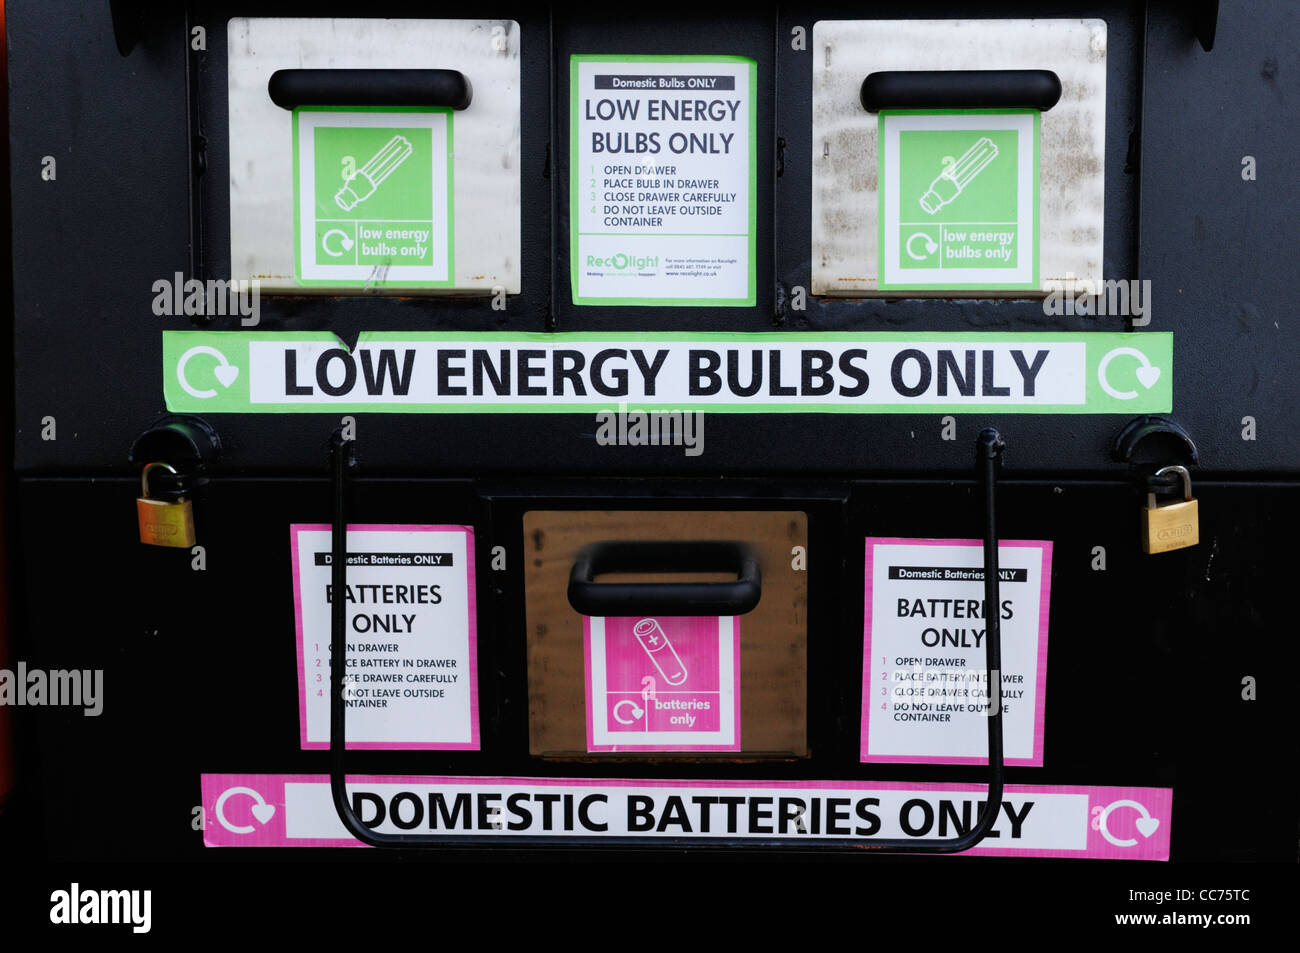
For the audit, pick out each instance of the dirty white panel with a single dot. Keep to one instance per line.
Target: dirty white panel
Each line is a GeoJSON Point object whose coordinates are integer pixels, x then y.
{"type": "Point", "coordinates": [486, 149]}
{"type": "Point", "coordinates": [844, 194]}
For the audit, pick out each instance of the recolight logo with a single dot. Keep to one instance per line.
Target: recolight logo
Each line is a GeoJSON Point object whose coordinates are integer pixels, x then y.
{"type": "Point", "coordinates": [622, 262]}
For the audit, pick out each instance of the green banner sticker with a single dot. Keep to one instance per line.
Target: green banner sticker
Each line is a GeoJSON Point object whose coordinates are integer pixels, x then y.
{"type": "Point", "coordinates": [663, 179]}
{"type": "Point", "coordinates": [958, 199]}
{"type": "Point", "coordinates": [372, 196]}
{"type": "Point", "coordinates": [276, 372]}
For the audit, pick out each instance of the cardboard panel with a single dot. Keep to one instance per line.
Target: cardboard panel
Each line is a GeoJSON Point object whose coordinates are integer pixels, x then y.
{"type": "Point", "coordinates": [773, 637]}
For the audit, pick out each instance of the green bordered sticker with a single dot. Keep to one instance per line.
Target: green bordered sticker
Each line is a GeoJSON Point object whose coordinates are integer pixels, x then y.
{"type": "Point", "coordinates": [491, 372]}
{"type": "Point", "coordinates": [663, 173]}
{"type": "Point", "coordinates": [958, 199]}
{"type": "Point", "coordinates": [373, 196]}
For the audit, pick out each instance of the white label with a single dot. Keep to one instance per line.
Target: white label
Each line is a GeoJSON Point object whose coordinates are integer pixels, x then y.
{"type": "Point", "coordinates": [925, 681]}
{"type": "Point", "coordinates": [662, 180]}
{"type": "Point", "coordinates": [1085, 372]}
{"type": "Point", "coordinates": [1120, 823]}
{"type": "Point", "coordinates": [411, 654]}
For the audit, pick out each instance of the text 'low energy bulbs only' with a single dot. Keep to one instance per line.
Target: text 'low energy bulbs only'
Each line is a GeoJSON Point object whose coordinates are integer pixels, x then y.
{"type": "Point", "coordinates": [955, 176]}
{"type": "Point", "coordinates": [362, 183]}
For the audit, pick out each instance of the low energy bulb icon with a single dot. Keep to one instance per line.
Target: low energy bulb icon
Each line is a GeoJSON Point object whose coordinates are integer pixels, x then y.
{"type": "Point", "coordinates": [955, 176]}
{"type": "Point", "coordinates": [362, 183]}
{"type": "Point", "coordinates": [651, 636]}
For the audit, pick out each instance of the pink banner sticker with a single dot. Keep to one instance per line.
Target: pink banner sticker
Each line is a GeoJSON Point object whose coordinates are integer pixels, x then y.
{"type": "Point", "coordinates": [412, 651]}
{"type": "Point", "coordinates": [924, 679]}
{"type": "Point", "coordinates": [669, 683]}
{"type": "Point", "coordinates": [265, 810]}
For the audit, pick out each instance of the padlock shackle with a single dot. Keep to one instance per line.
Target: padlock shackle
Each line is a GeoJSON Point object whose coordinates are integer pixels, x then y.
{"type": "Point", "coordinates": [144, 476]}
{"type": "Point", "coordinates": [1182, 472]}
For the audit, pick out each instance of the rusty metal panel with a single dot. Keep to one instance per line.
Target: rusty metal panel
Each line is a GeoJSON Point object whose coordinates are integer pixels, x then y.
{"type": "Point", "coordinates": [844, 160]}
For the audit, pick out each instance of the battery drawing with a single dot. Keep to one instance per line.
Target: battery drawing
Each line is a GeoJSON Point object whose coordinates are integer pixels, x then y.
{"type": "Point", "coordinates": [652, 638]}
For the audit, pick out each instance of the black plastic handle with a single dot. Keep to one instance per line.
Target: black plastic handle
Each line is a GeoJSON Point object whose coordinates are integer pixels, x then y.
{"type": "Point", "coordinates": [961, 89]}
{"type": "Point", "coordinates": [665, 598]}
{"type": "Point", "coordinates": [290, 88]}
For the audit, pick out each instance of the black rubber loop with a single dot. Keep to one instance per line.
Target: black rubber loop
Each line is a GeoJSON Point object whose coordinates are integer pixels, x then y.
{"type": "Point", "coordinates": [665, 598]}
{"type": "Point", "coordinates": [961, 89]}
{"type": "Point", "coordinates": [290, 88]}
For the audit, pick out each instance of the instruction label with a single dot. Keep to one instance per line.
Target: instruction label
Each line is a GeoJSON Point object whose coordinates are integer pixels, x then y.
{"type": "Point", "coordinates": [925, 685]}
{"type": "Point", "coordinates": [279, 810]}
{"type": "Point", "coordinates": [412, 669]}
{"type": "Point", "coordinates": [958, 199]}
{"type": "Point", "coordinates": [662, 180]}
{"type": "Point", "coordinates": [373, 196]}
{"type": "Point", "coordinates": [669, 683]}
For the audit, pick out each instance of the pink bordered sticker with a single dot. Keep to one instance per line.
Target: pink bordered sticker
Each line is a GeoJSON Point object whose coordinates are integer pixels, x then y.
{"type": "Point", "coordinates": [1114, 823]}
{"type": "Point", "coordinates": [925, 685]}
{"type": "Point", "coordinates": [662, 683]}
{"type": "Point", "coordinates": [412, 655]}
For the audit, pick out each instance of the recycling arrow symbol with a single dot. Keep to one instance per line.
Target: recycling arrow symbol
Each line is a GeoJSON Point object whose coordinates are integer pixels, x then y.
{"type": "Point", "coordinates": [930, 246]}
{"type": "Point", "coordinates": [344, 241]}
{"type": "Point", "coordinates": [637, 712]}
{"type": "Point", "coordinates": [1146, 824]}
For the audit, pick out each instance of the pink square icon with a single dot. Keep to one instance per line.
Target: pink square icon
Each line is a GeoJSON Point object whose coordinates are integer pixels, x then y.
{"type": "Point", "coordinates": [666, 683]}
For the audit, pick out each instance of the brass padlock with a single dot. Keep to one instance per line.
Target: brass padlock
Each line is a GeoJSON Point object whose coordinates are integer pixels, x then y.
{"type": "Point", "coordinates": [1174, 525]}
{"type": "Point", "coordinates": [164, 523]}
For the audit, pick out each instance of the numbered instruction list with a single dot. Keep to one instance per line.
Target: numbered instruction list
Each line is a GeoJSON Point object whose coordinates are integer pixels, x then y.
{"type": "Point", "coordinates": [925, 684]}
{"type": "Point", "coordinates": [411, 679]}
{"type": "Point", "coordinates": [662, 166]}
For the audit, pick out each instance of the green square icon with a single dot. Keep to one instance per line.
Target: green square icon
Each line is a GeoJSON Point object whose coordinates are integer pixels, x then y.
{"type": "Point", "coordinates": [958, 199]}
{"type": "Point", "coordinates": [379, 173]}
{"type": "Point", "coordinates": [373, 197]}
{"type": "Point", "coordinates": [336, 242]}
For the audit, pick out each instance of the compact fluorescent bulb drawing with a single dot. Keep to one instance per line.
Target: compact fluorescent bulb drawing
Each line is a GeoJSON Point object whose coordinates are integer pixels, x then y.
{"type": "Point", "coordinates": [362, 183]}
{"type": "Point", "coordinates": [955, 176]}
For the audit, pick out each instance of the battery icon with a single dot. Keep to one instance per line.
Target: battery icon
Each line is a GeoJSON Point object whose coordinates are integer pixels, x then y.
{"type": "Point", "coordinates": [652, 638]}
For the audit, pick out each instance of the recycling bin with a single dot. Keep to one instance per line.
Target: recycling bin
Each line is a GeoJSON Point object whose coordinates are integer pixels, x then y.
{"type": "Point", "coordinates": [795, 432]}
